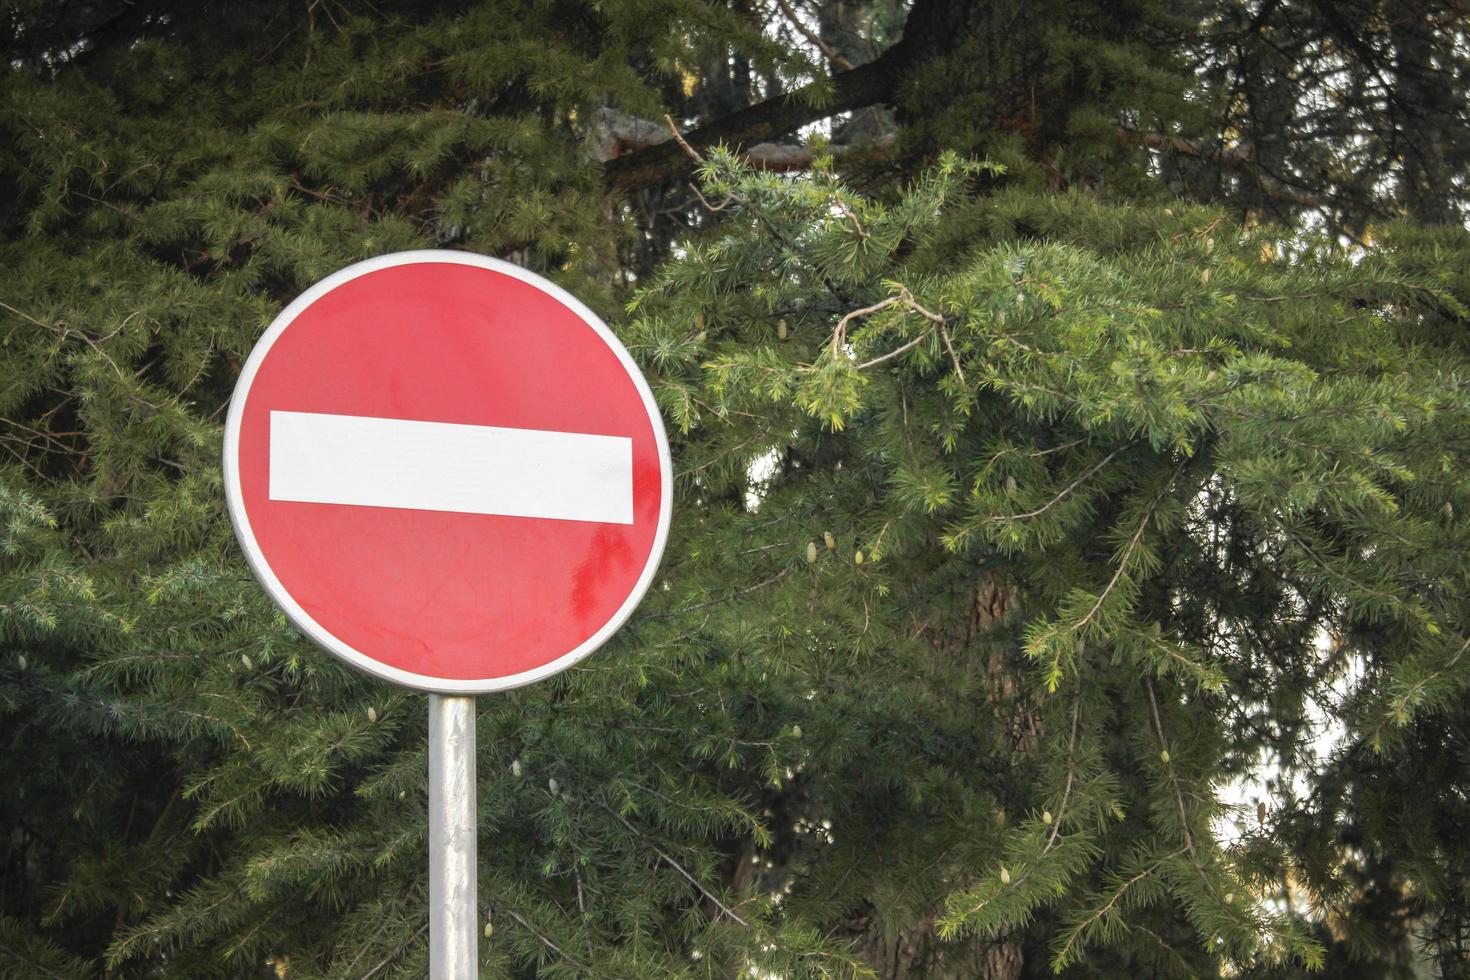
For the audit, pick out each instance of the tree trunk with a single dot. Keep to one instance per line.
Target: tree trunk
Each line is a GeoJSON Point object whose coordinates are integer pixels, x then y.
{"type": "Point", "coordinates": [1427, 109]}
{"type": "Point", "coordinates": [917, 951]}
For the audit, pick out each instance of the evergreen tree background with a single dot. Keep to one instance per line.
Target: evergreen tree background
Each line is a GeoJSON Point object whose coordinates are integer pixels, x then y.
{"type": "Point", "coordinates": [1070, 418]}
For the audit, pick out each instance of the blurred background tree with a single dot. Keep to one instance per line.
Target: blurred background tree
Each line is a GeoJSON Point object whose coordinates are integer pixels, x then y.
{"type": "Point", "coordinates": [1146, 476]}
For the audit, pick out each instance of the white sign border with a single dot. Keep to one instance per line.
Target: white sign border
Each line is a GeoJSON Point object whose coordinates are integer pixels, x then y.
{"type": "Point", "coordinates": [318, 633]}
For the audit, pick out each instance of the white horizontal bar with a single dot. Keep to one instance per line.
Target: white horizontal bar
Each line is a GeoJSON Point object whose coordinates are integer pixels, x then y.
{"type": "Point", "coordinates": [471, 469]}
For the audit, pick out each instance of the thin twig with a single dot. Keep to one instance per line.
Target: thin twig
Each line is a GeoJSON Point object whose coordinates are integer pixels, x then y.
{"type": "Point", "coordinates": [684, 474]}
{"type": "Point", "coordinates": [1403, 700]}
{"type": "Point", "coordinates": [676, 866]}
{"type": "Point", "coordinates": [26, 316]}
{"type": "Point", "coordinates": [712, 208]}
{"type": "Point", "coordinates": [693, 155]}
{"type": "Point", "coordinates": [850, 215]}
{"type": "Point", "coordinates": [679, 138]}
{"type": "Point", "coordinates": [1170, 651]}
{"type": "Point", "coordinates": [1056, 826]}
{"type": "Point", "coordinates": [735, 595]}
{"type": "Point", "coordinates": [895, 352]}
{"type": "Point", "coordinates": [1117, 572]}
{"type": "Point", "coordinates": [1183, 963]}
{"type": "Point", "coordinates": [840, 333]}
{"type": "Point", "coordinates": [908, 298]}
{"type": "Point", "coordinates": [1128, 550]}
{"type": "Point", "coordinates": [943, 333]}
{"type": "Point", "coordinates": [1076, 932]}
{"type": "Point", "coordinates": [1065, 490]}
{"type": "Point", "coordinates": [815, 39]}
{"type": "Point", "coordinates": [397, 951]}
{"type": "Point", "coordinates": [545, 939]}
{"type": "Point", "coordinates": [1031, 453]}
{"type": "Point", "coordinates": [1173, 781]}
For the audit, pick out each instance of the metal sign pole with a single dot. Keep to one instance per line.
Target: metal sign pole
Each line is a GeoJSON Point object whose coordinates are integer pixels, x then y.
{"type": "Point", "coordinates": [453, 909]}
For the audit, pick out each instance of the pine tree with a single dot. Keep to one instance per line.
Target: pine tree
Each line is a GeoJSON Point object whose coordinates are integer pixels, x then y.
{"type": "Point", "coordinates": [1071, 433]}
{"type": "Point", "coordinates": [200, 792]}
{"type": "Point", "coordinates": [1101, 475]}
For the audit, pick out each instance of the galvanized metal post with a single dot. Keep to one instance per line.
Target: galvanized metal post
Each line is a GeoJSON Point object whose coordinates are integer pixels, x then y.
{"type": "Point", "coordinates": [453, 911]}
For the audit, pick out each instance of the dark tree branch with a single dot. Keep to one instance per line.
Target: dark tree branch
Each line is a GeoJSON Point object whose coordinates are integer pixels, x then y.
{"type": "Point", "coordinates": [865, 85]}
{"type": "Point", "coordinates": [932, 29]}
{"type": "Point", "coordinates": [1240, 159]}
{"type": "Point", "coordinates": [619, 134]}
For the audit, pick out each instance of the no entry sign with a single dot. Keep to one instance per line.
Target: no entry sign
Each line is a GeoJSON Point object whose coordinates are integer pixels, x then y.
{"type": "Point", "coordinates": [448, 472]}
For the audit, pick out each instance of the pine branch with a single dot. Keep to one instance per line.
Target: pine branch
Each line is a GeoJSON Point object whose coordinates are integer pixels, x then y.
{"type": "Point", "coordinates": [1075, 933]}
{"type": "Point", "coordinates": [735, 595]}
{"type": "Point", "coordinates": [902, 349]}
{"type": "Point", "coordinates": [1132, 546]}
{"type": "Point", "coordinates": [1169, 764]}
{"type": "Point", "coordinates": [709, 896]}
{"type": "Point", "coordinates": [545, 940]}
{"type": "Point", "coordinates": [1064, 492]}
{"type": "Point", "coordinates": [839, 333]}
{"type": "Point", "coordinates": [1071, 774]}
{"type": "Point", "coordinates": [397, 952]}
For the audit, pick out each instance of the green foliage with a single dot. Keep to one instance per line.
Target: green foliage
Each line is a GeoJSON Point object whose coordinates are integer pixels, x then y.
{"type": "Point", "coordinates": [1021, 508]}
{"type": "Point", "coordinates": [1119, 414]}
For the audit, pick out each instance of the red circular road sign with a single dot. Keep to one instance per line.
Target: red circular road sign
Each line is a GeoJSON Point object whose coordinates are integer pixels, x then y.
{"type": "Point", "coordinates": [448, 472]}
